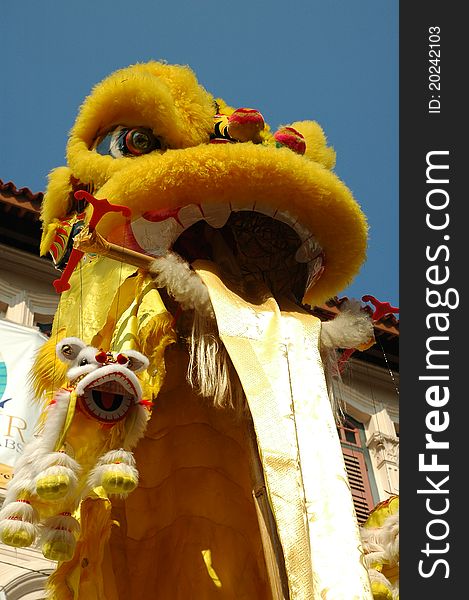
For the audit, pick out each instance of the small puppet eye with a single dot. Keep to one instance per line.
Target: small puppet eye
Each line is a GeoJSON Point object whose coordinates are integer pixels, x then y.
{"type": "Point", "coordinates": [67, 351]}
{"type": "Point", "coordinates": [129, 141]}
{"type": "Point", "coordinates": [83, 362]}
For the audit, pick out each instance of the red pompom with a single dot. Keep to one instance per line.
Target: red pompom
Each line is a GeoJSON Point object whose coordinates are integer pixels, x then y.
{"type": "Point", "coordinates": [122, 359]}
{"type": "Point", "coordinates": [147, 403]}
{"type": "Point", "coordinates": [101, 357]}
{"type": "Point", "coordinates": [291, 138]}
{"type": "Point", "coordinates": [245, 125]}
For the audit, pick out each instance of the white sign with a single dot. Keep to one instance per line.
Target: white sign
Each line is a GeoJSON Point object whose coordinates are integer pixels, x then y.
{"type": "Point", "coordinates": [18, 412]}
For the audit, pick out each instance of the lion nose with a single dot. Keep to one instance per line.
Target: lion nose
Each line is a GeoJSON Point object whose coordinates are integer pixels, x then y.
{"type": "Point", "coordinates": [101, 357]}
{"type": "Point", "coordinates": [122, 359]}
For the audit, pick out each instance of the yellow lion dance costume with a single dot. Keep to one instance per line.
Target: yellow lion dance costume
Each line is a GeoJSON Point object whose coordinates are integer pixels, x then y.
{"type": "Point", "coordinates": [219, 237]}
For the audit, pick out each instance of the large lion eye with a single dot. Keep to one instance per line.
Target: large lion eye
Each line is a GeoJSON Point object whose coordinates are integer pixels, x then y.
{"type": "Point", "coordinates": [129, 141]}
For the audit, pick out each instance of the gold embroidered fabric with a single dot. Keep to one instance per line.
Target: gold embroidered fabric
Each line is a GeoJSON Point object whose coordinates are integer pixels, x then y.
{"type": "Point", "coordinates": [276, 355]}
{"type": "Point", "coordinates": [122, 310]}
{"type": "Point", "coordinates": [99, 290]}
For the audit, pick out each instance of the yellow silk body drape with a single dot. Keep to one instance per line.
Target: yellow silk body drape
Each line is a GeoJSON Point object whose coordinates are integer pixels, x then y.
{"type": "Point", "coordinates": [276, 355]}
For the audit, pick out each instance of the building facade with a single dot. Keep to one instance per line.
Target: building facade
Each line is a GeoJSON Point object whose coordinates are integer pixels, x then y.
{"type": "Point", "coordinates": [28, 303]}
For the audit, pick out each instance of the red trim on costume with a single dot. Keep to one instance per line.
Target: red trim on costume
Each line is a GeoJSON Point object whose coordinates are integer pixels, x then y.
{"type": "Point", "coordinates": [147, 403]}
{"type": "Point", "coordinates": [381, 308]}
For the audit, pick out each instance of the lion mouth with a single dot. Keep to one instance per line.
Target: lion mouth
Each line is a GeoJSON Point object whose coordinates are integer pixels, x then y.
{"type": "Point", "coordinates": [108, 398]}
{"type": "Point", "coordinates": [249, 243]}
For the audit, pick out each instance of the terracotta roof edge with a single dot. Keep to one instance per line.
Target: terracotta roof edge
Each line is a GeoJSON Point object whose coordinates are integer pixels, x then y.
{"type": "Point", "coordinates": [9, 188]}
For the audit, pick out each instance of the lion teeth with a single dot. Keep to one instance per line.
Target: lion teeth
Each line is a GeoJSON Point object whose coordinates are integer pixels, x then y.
{"type": "Point", "coordinates": [157, 237]}
{"type": "Point", "coordinates": [190, 214]}
{"type": "Point", "coordinates": [286, 217]}
{"type": "Point", "coordinates": [302, 231]}
{"type": "Point", "coordinates": [265, 209]}
{"type": "Point", "coordinates": [237, 205]}
{"type": "Point", "coordinates": [113, 382]}
{"type": "Point", "coordinates": [216, 215]}
{"type": "Point", "coordinates": [308, 250]}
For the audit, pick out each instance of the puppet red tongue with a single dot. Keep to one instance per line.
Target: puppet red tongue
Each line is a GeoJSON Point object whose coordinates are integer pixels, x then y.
{"type": "Point", "coordinates": [107, 399]}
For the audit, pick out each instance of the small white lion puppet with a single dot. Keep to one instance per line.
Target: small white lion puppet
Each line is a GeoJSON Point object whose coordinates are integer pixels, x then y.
{"type": "Point", "coordinates": [89, 430]}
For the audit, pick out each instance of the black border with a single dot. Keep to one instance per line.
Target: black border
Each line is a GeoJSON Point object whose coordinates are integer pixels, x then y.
{"type": "Point", "coordinates": [421, 132]}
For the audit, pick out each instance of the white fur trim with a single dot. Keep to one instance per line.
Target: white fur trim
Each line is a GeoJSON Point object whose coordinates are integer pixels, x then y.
{"type": "Point", "coordinates": [130, 383]}
{"type": "Point", "coordinates": [23, 511]}
{"type": "Point", "coordinates": [60, 529]}
{"type": "Point", "coordinates": [76, 369]}
{"type": "Point", "coordinates": [38, 449]}
{"type": "Point", "coordinates": [186, 287]}
{"type": "Point", "coordinates": [381, 546]}
{"type": "Point", "coordinates": [56, 415]}
{"type": "Point", "coordinates": [383, 539]}
{"type": "Point", "coordinates": [352, 326]}
{"type": "Point", "coordinates": [76, 345]}
{"type": "Point", "coordinates": [378, 577]}
{"type": "Point", "coordinates": [97, 474]}
{"type": "Point", "coordinates": [59, 523]}
{"type": "Point", "coordinates": [137, 421]}
{"type": "Point", "coordinates": [119, 455]}
{"type": "Point", "coordinates": [22, 483]}
{"type": "Point", "coordinates": [61, 460]}
{"type": "Point", "coordinates": [115, 461]}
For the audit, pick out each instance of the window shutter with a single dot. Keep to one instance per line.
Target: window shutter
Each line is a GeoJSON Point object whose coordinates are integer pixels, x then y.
{"type": "Point", "coordinates": [359, 483]}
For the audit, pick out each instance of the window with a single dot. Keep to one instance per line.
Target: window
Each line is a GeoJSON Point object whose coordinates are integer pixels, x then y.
{"type": "Point", "coordinates": [349, 433]}
{"type": "Point", "coordinates": [43, 323]}
{"type": "Point", "coordinates": [355, 454]}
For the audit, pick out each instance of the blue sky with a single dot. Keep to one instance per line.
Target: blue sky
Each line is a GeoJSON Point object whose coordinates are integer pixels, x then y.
{"type": "Point", "coordinates": [335, 62]}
